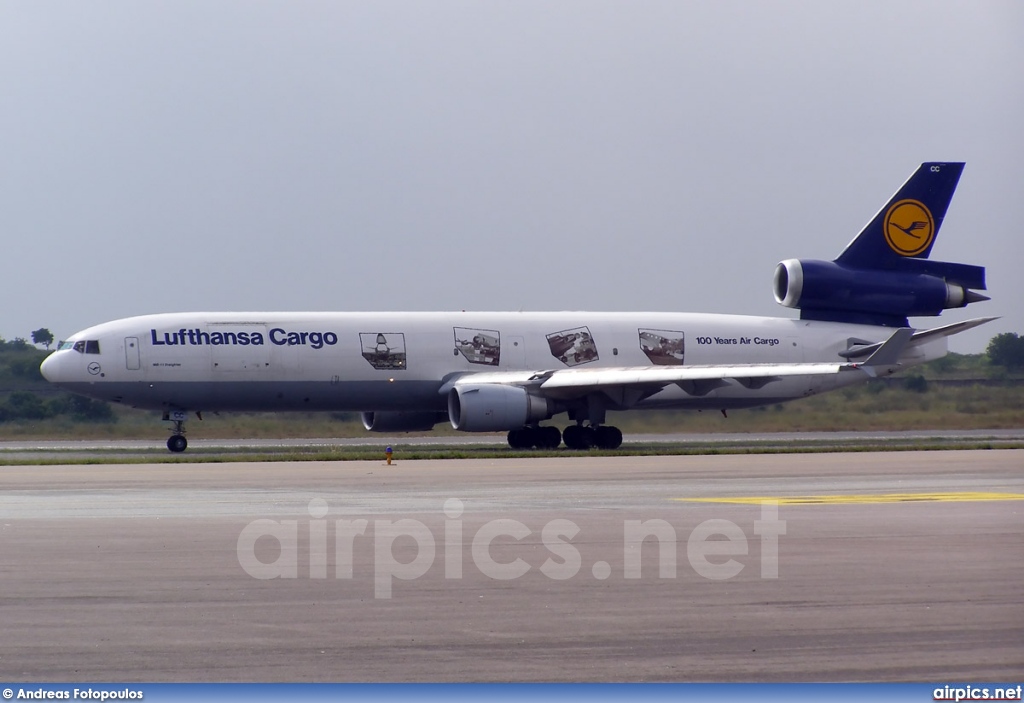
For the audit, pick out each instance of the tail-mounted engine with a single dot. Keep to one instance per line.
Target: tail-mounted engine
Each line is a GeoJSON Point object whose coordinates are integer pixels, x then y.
{"type": "Point", "coordinates": [826, 290]}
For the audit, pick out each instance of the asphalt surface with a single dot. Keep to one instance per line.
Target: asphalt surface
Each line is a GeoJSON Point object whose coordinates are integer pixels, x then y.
{"type": "Point", "coordinates": [537, 572]}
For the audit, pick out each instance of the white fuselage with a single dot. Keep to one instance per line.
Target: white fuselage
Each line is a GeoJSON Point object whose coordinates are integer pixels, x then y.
{"type": "Point", "coordinates": [400, 361]}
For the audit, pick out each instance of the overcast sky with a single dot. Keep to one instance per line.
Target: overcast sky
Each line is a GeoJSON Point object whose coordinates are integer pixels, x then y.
{"type": "Point", "coordinates": [168, 156]}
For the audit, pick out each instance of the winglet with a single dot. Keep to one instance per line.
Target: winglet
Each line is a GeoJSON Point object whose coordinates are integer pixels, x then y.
{"type": "Point", "coordinates": [889, 353]}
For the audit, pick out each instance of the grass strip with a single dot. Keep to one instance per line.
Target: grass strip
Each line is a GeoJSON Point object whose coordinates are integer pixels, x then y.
{"type": "Point", "coordinates": [414, 452]}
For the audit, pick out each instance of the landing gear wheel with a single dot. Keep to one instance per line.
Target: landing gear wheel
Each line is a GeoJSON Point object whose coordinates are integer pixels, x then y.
{"type": "Point", "coordinates": [516, 439]}
{"type": "Point", "coordinates": [608, 437]}
{"type": "Point", "coordinates": [550, 437]}
{"type": "Point", "coordinates": [577, 437]}
{"type": "Point", "coordinates": [524, 438]}
{"type": "Point", "coordinates": [571, 437]}
{"type": "Point", "coordinates": [177, 443]}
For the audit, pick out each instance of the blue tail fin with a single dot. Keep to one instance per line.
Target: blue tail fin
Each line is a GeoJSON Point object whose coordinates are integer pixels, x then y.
{"type": "Point", "coordinates": [906, 228]}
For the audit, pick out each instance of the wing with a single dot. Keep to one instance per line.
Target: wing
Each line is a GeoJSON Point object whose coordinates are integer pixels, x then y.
{"type": "Point", "coordinates": [643, 381]}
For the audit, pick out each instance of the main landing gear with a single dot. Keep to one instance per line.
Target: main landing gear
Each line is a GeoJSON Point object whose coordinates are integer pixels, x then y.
{"type": "Point", "coordinates": [589, 431]}
{"type": "Point", "coordinates": [574, 436]}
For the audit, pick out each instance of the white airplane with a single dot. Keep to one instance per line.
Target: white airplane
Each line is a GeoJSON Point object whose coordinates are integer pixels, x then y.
{"type": "Point", "coordinates": [500, 371]}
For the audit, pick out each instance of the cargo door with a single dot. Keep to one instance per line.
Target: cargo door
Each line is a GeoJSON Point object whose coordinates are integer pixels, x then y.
{"type": "Point", "coordinates": [131, 353]}
{"type": "Point", "coordinates": [515, 352]}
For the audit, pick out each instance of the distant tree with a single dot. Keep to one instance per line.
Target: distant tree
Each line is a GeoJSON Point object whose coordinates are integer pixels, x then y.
{"type": "Point", "coordinates": [1007, 350]}
{"type": "Point", "coordinates": [43, 336]}
{"type": "Point", "coordinates": [18, 344]}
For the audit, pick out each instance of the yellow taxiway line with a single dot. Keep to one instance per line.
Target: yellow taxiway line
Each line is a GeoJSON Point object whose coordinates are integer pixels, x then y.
{"type": "Point", "coordinates": [866, 498]}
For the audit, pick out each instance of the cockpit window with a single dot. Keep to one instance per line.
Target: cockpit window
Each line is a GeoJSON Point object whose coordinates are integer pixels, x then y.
{"type": "Point", "coordinates": [66, 345]}
{"type": "Point", "coordinates": [83, 346]}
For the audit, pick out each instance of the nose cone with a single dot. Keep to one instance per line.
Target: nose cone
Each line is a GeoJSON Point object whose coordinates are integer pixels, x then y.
{"type": "Point", "coordinates": [50, 368]}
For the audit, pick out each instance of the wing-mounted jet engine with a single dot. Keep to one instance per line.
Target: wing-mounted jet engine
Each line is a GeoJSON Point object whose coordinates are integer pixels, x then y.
{"type": "Point", "coordinates": [884, 275]}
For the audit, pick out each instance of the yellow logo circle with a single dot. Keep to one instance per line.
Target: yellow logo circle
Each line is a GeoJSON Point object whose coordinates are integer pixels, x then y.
{"type": "Point", "coordinates": [909, 227]}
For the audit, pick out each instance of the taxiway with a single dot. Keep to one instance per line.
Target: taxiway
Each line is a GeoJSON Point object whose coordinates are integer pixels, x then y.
{"type": "Point", "coordinates": [889, 567]}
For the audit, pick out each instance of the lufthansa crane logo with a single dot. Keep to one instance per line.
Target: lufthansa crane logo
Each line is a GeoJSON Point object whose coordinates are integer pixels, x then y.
{"type": "Point", "coordinates": [909, 227]}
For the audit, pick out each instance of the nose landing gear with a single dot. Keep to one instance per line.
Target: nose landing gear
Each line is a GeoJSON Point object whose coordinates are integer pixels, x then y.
{"type": "Point", "coordinates": [177, 442]}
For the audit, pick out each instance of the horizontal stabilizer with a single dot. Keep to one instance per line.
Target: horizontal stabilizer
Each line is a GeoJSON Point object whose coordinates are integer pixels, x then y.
{"type": "Point", "coordinates": [966, 275]}
{"type": "Point", "coordinates": [921, 336]}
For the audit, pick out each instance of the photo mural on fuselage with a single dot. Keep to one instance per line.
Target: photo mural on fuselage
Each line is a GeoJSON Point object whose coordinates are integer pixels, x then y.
{"type": "Point", "coordinates": [384, 350]}
{"type": "Point", "coordinates": [478, 346]}
{"type": "Point", "coordinates": [663, 347]}
{"type": "Point", "coordinates": [573, 346]}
